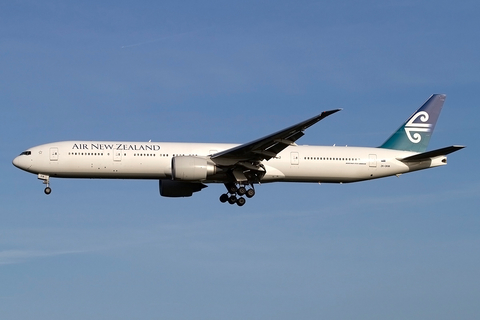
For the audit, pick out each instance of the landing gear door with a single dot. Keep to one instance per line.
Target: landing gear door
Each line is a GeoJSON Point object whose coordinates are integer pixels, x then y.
{"type": "Point", "coordinates": [53, 154]}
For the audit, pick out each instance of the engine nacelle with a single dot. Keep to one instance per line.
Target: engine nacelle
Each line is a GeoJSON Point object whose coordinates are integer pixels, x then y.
{"type": "Point", "coordinates": [170, 188]}
{"type": "Point", "coordinates": [192, 168]}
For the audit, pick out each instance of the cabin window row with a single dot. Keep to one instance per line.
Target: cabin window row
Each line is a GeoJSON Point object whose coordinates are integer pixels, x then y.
{"type": "Point", "coordinates": [125, 154]}
{"type": "Point", "coordinates": [331, 158]}
{"type": "Point", "coordinates": [86, 154]}
{"type": "Point", "coordinates": [149, 155]}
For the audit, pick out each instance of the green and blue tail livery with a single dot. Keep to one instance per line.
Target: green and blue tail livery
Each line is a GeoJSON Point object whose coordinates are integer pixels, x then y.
{"type": "Point", "coordinates": [414, 135]}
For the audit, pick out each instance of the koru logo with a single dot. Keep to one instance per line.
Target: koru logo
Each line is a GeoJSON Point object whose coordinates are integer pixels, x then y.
{"type": "Point", "coordinates": [417, 127]}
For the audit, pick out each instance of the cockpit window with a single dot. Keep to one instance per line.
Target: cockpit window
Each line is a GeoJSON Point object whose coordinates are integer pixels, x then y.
{"type": "Point", "coordinates": [26, 153]}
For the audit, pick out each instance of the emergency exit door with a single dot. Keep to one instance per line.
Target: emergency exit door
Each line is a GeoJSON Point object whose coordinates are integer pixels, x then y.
{"type": "Point", "coordinates": [294, 158]}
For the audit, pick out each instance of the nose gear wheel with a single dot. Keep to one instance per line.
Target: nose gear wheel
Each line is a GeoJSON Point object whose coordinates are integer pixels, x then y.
{"type": "Point", "coordinates": [46, 180]}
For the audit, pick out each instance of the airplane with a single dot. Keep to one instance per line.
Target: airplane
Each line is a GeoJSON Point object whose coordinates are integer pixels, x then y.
{"type": "Point", "coordinates": [185, 168]}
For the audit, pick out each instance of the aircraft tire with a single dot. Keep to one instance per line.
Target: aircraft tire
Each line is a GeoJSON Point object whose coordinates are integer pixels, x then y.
{"type": "Point", "coordinates": [47, 190]}
{"type": "Point", "coordinates": [250, 193]}
{"type": "Point", "coordinates": [241, 191]}
{"type": "Point", "coordinates": [232, 199]}
{"type": "Point", "coordinates": [224, 198]}
{"type": "Point", "coordinates": [241, 201]}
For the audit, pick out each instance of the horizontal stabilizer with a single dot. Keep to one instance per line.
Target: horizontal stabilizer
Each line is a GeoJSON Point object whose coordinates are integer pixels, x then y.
{"type": "Point", "coordinates": [433, 153]}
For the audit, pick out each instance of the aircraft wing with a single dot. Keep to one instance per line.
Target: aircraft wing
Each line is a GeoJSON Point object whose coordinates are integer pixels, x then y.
{"type": "Point", "coordinates": [432, 154]}
{"type": "Point", "coordinates": [269, 146]}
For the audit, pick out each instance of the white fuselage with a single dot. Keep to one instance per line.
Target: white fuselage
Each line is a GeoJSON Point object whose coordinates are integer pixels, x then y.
{"type": "Point", "coordinates": [152, 160]}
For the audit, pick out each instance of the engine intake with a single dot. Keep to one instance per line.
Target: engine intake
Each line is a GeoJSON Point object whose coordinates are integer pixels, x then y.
{"type": "Point", "coordinates": [192, 168]}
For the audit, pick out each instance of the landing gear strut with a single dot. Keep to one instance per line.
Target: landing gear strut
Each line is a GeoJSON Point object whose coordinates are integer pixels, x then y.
{"type": "Point", "coordinates": [46, 180]}
{"type": "Point", "coordinates": [233, 190]}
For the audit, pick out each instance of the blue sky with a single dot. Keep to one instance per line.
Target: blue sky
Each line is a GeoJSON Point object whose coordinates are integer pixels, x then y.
{"type": "Point", "coordinates": [218, 71]}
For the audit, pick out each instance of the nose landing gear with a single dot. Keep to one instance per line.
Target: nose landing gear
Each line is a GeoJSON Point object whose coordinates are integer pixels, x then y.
{"type": "Point", "coordinates": [46, 180]}
{"type": "Point", "coordinates": [233, 191]}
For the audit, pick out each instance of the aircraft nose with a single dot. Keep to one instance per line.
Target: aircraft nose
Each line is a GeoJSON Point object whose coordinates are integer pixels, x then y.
{"type": "Point", "coordinates": [22, 162]}
{"type": "Point", "coordinates": [16, 162]}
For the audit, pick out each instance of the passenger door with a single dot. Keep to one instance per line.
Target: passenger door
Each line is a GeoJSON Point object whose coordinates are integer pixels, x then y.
{"type": "Point", "coordinates": [54, 154]}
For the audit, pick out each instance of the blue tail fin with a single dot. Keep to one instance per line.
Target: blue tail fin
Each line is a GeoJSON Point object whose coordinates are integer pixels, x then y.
{"type": "Point", "coordinates": [415, 133]}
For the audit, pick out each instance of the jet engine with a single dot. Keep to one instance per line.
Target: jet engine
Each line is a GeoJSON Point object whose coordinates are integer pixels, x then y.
{"type": "Point", "coordinates": [192, 168]}
{"type": "Point", "coordinates": [170, 188]}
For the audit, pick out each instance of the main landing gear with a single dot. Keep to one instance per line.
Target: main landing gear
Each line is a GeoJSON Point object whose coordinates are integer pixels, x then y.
{"type": "Point", "coordinates": [46, 180]}
{"type": "Point", "coordinates": [233, 191]}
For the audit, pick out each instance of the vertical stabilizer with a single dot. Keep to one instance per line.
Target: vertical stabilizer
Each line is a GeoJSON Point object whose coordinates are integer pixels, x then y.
{"type": "Point", "coordinates": [415, 133]}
